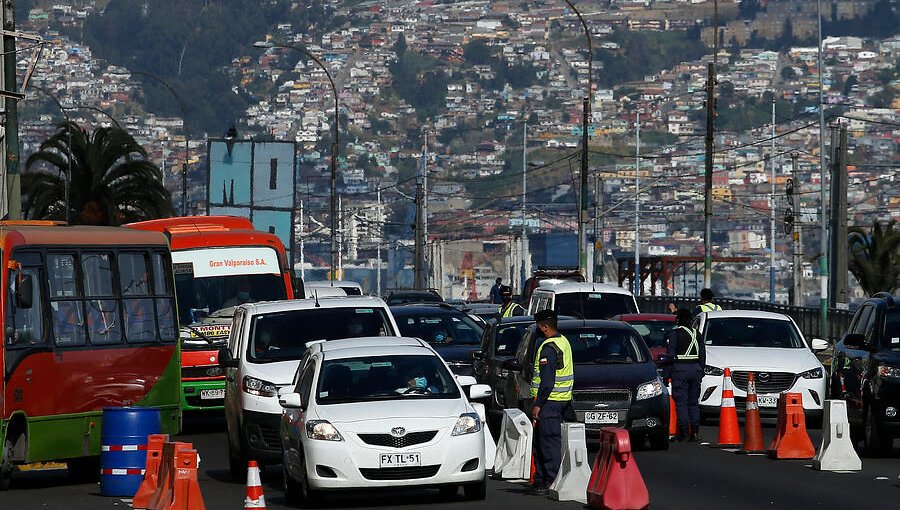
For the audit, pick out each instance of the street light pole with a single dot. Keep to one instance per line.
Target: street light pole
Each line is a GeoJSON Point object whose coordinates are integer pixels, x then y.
{"type": "Point", "coordinates": [585, 119]}
{"type": "Point", "coordinates": [335, 147]}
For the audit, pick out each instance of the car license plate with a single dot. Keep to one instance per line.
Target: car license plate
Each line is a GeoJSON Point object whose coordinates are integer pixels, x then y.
{"type": "Point", "coordinates": [767, 400]}
{"type": "Point", "coordinates": [595, 417]}
{"type": "Point", "coordinates": [212, 394]}
{"type": "Point", "coordinates": [389, 460]}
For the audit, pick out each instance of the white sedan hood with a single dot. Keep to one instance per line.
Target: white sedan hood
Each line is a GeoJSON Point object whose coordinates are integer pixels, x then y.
{"type": "Point", "coordinates": [768, 359]}
{"type": "Point", "coordinates": [412, 413]}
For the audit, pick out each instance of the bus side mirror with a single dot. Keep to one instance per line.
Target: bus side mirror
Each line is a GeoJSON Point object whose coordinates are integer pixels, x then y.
{"type": "Point", "coordinates": [24, 291]}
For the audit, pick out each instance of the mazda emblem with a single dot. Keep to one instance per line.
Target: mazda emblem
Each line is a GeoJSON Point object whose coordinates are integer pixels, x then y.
{"type": "Point", "coordinates": [398, 431]}
{"type": "Point", "coordinates": [763, 377]}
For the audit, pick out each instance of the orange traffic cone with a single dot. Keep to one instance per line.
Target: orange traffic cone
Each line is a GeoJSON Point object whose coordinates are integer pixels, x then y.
{"type": "Point", "coordinates": [673, 417]}
{"type": "Point", "coordinates": [255, 498]}
{"type": "Point", "coordinates": [729, 432]}
{"type": "Point", "coordinates": [753, 441]}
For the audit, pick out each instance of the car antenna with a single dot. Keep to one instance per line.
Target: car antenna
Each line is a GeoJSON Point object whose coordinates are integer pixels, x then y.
{"type": "Point", "coordinates": [316, 297]}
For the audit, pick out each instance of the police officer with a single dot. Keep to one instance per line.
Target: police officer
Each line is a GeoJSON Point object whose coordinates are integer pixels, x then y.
{"type": "Point", "coordinates": [706, 304]}
{"type": "Point", "coordinates": [551, 388]}
{"type": "Point", "coordinates": [508, 308]}
{"type": "Point", "coordinates": [689, 355]}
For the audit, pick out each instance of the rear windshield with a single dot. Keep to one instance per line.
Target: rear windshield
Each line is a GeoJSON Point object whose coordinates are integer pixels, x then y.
{"type": "Point", "coordinates": [654, 332]}
{"type": "Point", "coordinates": [595, 345]}
{"type": "Point", "coordinates": [594, 305]}
{"type": "Point", "coordinates": [384, 378]}
{"type": "Point", "coordinates": [441, 328]}
{"type": "Point", "coordinates": [891, 337]}
{"type": "Point", "coordinates": [752, 332]}
{"type": "Point", "coordinates": [508, 338]}
{"type": "Point", "coordinates": [283, 336]}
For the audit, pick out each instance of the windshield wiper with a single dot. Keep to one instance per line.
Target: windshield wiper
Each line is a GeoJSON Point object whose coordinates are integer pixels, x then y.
{"type": "Point", "coordinates": [201, 335]}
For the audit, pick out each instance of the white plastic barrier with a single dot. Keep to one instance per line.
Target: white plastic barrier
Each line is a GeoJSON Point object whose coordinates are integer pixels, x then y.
{"type": "Point", "coordinates": [836, 452]}
{"type": "Point", "coordinates": [490, 448]}
{"type": "Point", "coordinates": [575, 470]}
{"type": "Point", "coordinates": [513, 460]}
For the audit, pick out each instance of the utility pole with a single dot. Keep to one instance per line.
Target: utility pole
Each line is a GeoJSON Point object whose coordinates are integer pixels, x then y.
{"type": "Point", "coordinates": [637, 204]}
{"type": "Point", "coordinates": [340, 253]}
{"type": "Point", "coordinates": [598, 233]}
{"type": "Point", "coordinates": [823, 215]}
{"type": "Point", "coordinates": [708, 180]}
{"type": "Point", "coordinates": [425, 269]}
{"type": "Point", "coordinates": [793, 192]}
{"type": "Point", "coordinates": [420, 231]}
{"type": "Point", "coordinates": [302, 236]}
{"type": "Point", "coordinates": [838, 290]}
{"type": "Point", "coordinates": [379, 224]}
{"type": "Point", "coordinates": [524, 239]}
{"type": "Point", "coordinates": [10, 162]}
{"type": "Point", "coordinates": [582, 211]}
{"type": "Point", "coordinates": [771, 159]}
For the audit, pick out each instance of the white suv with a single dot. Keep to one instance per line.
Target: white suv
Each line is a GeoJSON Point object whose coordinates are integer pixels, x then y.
{"type": "Point", "coordinates": [264, 349]}
{"type": "Point", "coordinates": [582, 300]}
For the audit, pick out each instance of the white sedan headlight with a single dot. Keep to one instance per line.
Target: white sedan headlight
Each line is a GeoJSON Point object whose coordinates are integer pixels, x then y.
{"type": "Point", "coordinates": [649, 389]}
{"type": "Point", "coordinates": [322, 430]}
{"type": "Point", "coordinates": [468, 423]}
{"type": "Point", "coordinates": [713, 371]}
{"type": "Point", "coordinates": [814, 373]}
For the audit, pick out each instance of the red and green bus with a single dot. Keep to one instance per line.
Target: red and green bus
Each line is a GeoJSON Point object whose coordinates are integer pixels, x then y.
{"type": "Point", "coordinates": [219, 262]}
{"type": "Point", "coordinates": [89, 321]}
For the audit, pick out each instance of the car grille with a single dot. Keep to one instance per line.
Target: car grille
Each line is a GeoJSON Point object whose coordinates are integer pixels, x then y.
{"type": "Point", "coordinates": [207, 372]}
{"type": "Point", "coordinates": [412, 438]}
{"type": "Point", "coordinates": [270, 436]}
{"type": "Point", "coordinates": [401, 473]}
{"type": "Point", "coordinates": [614, 399]}
{"type": "Point", "coordinates": [777, 381]}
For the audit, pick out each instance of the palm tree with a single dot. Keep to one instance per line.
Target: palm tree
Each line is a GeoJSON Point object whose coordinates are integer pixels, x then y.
{"type": "Point", "coordinates": [111, 182]}
{"type": "Point", "coordinates": [875, 257]}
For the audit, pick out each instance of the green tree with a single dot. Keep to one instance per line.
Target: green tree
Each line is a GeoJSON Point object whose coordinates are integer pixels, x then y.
{"type": "Point", "coordinates": [874, 257]}
{"type": "Point", "coordinates": [111, 182]}
{"type": "Point", "coordinates": [477, 52]}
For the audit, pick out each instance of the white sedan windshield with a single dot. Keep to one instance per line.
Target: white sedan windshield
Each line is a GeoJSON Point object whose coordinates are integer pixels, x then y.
{"type": "Point", "coordinates": [752, 332]}
{"type": "Point", "coordinates": [384, 378]}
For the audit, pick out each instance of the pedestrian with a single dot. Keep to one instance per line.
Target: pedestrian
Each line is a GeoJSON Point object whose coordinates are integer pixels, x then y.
{"type": "Point", "coordinates": [689, 356]}
{"type": "Point", "coordinates": [706, 304]}
{"type": "Point", "coordinates": [508, 308]}
{"type": "Point", "coordinates": [671, 308]}
{"type": "Point", "coordinates": [496, 296]}
{"type": "Point", "coordinates": [551, 388]}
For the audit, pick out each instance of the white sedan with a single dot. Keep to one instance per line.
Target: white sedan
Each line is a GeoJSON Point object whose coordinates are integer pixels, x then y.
{"type": "Point", "coordinates": [768, 344]}
{"type": "Point", "coordinates": [377, 412]}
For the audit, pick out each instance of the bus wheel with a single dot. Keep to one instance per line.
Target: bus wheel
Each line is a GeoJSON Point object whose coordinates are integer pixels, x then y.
{"type": "Point", "coordinates": [6, 464]}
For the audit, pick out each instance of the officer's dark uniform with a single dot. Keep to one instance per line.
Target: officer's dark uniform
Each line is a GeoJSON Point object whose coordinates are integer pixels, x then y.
{"type": "Point", "coordinates": [689, 355]}
{"type": "Point", "coordinates": [548, 440]}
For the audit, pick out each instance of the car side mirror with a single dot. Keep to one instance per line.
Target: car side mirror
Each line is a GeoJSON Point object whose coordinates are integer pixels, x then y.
{"type": "Point", "coordinates": [818, 344]}
{"type": "Point", "coordinates": [855, 341]}
{"type": "Point", "coordinates": [477, 391]}
{"type": "Point", "coordinates": [479, 354]}
{"type": "Point", "coordinates": [511, 365]}
{"type": "Point", "coordinates": [291, 401]}
{"type": "Point", "coordinates": [225, 358]}
{"type": "Point", "coordinates": [466, 380]}
{"type": "Point", "coordinates": [24, 291]}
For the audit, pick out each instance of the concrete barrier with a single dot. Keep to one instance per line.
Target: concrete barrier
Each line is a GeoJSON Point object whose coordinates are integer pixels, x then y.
{"type": "Point", "coordinates": [513, 460]}
{"type": "Point", "coordinates": [575, 470]}
{"type": "Point", "coordinates": [836, 452]}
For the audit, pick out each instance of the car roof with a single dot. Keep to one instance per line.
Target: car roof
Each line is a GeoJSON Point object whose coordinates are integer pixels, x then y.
{"type": "Point", "coordinates": [627, 317]}
{"type": "Point", "coordinates": [566, 287]}
{"type": "Point", "coordinates": [308, 304]}
{"type": "Point", "coordinates": [414, 308]}
{"type": "Point", "coordinates": [373, 346]}
{"type": "Point", "coordinates": [757, 314]}
{"type": "Point", "coordinates": [591, 323]}
{"type": "Point", "coordinates": [329, 283]}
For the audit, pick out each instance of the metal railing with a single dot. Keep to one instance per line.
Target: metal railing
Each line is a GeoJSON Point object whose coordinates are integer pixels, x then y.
{"type": "Point", "coordinates": [807, 319]}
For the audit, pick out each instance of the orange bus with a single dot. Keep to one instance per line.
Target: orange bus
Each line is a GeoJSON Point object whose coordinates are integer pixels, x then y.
{"type": "Point", "coordinates": [88, 321]}
{"type": "Point", "coordinates": [219, 262]}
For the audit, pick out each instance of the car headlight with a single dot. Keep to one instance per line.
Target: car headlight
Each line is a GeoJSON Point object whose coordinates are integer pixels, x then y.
{"type": "Point", "coordinates": [889, 371]}
{"type": "Point", "coordinates": [649, 389]}
{"type": "Point", "coordinates": [259, 387]}
{"type": "Point", "coordinates": [322, 430]}
{"type": "Point", "coordinates": [714, 371]}
{"type": "Point", "coordinates": [815, 373]}
{"type": "Point", "coordinates": [468, 423]}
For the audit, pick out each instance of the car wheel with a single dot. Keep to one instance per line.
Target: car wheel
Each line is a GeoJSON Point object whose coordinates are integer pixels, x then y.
{"type": "Point", "coordinates": [84, 469]}
{"type": "Point", "coordinates": [476, 491]}
{"type": "Point", "coordinates": [660, 441]}
{"type": "Point", "coordinates": [448, 491]}
{"type": "Point", "coordinates": [291, 488]}
{"type": "Point", "coordinates": [237, 464]}
{"type": "Point", "coordinates": [876, 442]}
{"type": "Point", "coordinates": [307, 496]}
{"type": "Point", "coordinates": [6, 465]}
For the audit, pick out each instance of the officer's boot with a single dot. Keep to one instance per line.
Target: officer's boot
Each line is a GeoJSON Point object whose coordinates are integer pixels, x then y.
{"type": "Point", "coordinates": [695, 434]}
{"type": "Point", "coordinates": [681, 436]}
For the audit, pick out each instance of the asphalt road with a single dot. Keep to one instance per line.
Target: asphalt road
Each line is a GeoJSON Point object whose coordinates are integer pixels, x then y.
{"type": "Point", "coordinates": [687, 476]}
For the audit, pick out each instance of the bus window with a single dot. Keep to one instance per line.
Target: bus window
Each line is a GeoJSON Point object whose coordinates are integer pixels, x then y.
{"type": "Point", "coordinates": [162, 275]}
{"type": "Point", "coordinates": [102, 315]}
{"type": "Point", "coordinates": [68, 316]}
{"type": "Point", "coordinates": [133, 274]}
{"type": "Point", "coordinates": [27, 325]}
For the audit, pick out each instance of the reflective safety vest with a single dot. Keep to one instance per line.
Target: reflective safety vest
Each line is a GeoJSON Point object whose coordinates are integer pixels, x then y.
{"type": "Point", "coordinates": [509, 311]}
{"type": "Point", "coordinates": [565, 371]}
{"type": "Point", "coordinates": [709, 307]}
{"type": "Point", "coordinates": [693, 350]}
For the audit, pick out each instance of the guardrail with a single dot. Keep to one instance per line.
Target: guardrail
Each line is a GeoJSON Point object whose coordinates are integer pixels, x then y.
{"type": "Point", "coordinates": [807, 319]}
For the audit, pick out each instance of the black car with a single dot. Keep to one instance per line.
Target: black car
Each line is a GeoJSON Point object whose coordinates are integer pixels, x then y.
{"type": "Point", "coordinates": [616, 383]}
{"type": "Point", "coordinates": [499, 343]}
{"type": "Point", "coordinates": [865, 372]}
{"type": "Point", "coordinates": [453, 333]}
{"type": "Point", "coordinates": [402, 297]}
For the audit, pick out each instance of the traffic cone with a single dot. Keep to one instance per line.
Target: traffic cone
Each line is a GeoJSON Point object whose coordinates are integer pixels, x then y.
{"type": "Point", "coordinates": [753, 441]}
{"type": "Point", "coordinates": [729, 431]}
{"type": "Point", "coordinates": [255, 498]}
{"type": "Point", "coordinates": [673, 415]}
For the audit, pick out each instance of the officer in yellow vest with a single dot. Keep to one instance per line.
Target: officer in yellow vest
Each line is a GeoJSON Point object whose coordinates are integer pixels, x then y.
{"type": "Point", "coordinates": [508, 308]}
{"type": "Point", "coordinates": [689, 354]}
{"type": "Point", "coordinates": [706, 304]}
{"type": "Point", "coordinates": [551, 388]}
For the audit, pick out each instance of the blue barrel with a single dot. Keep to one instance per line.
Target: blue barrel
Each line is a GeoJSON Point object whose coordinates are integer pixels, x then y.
{"type": "Point", "coordinates": [123, 454]}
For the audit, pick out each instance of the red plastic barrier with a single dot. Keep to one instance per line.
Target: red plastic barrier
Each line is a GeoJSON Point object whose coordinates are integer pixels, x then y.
{"type": "Point", "coordinates": [151, 472]}
{"type": "Point", "coordinates": [162, 497]}
{"type": "Point", "coordinates": [185, 489]}
{"type": "Point", "coordinates": [616, 483]}
{"type": "Point", "coordinates": [791, 440]}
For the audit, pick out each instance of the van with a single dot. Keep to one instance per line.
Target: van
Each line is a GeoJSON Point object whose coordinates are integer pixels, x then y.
{"type": "Point", "coordinates": [349, 288]}
{"type": "Point", "coordinates": [582, 300]}
{"type": "Point", "coordinates": [266, 344]}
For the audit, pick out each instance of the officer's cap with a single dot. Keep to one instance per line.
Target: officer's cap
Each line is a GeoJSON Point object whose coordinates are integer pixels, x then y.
{"type": "Point", "coordinates": [506, 289]}
{"type": "Point", "coordinates": [545, 315]}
